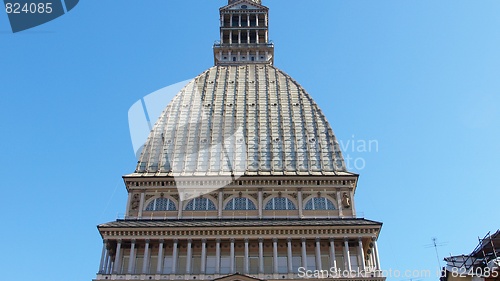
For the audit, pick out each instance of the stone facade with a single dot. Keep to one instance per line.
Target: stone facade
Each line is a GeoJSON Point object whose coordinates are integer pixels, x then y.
{"type": "Point", "coordinates": [241, 178]}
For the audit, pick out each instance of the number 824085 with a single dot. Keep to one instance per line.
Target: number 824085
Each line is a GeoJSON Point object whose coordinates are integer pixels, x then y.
{"type": "Point", "coordinates": [28, 8]}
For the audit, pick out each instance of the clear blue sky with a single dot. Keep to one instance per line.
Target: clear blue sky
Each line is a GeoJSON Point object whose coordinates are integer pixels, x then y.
{"type": "Point", "coordinates": [422, 78]}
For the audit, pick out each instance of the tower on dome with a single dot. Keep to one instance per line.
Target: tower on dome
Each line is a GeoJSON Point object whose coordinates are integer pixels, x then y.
{"type": "Point", "coordinates": [244, 34]}
{"type": "Point", "coordinates": [234, 1]}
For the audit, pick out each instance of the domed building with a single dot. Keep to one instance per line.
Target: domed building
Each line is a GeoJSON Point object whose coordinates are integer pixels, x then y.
{"type": "Point", "coordinates": [241, 178]}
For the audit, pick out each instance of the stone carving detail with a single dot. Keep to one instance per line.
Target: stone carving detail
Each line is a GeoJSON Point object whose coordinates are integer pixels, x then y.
{"type": "Point", "coordinates": [305, 195]}
{"type": "Point", "coordinates": [214, 195]}
{"type": "Point", "coordinates": [134, 205]}
{"type": "Point", "coordinates": [175, 196]}
{"type": "Point", "coordinates": [265, 195]}
{"type": "Point", "coordinates": [149, 197]}
{"type": "Point", "coordinates": [346, 201]}
{"type": "Point", "coordinates": [294, 195]}
{"type": "Point", "coordinates": [332, 195]}
{"type": "Point", "coordinates": [227, 196]}
{"type": "Point", "coordinates": [254, 195]}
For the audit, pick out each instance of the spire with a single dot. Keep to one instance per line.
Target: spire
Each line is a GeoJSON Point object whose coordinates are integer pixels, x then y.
{"type": "Point", "coordinates": [244, 34]}
{"type": "Point", "coordinates": [234, 1]}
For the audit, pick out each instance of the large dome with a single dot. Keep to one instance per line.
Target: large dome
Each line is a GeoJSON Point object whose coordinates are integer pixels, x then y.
{"type": "Point", "coordinates": [251, 119]}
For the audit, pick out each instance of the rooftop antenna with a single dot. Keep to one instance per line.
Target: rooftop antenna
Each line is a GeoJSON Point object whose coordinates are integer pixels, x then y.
{"type": "Point", "coordinates": [435, 245]}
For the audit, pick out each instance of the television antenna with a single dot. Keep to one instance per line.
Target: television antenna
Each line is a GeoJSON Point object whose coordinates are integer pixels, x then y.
{"type": "Point", "coordinates": [435, 244]}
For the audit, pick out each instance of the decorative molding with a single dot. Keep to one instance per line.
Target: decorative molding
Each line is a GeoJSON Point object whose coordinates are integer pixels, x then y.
{"type": "Point", "coordinates": [136, 199]}
{"type": "Point", "coordinates": [349, 182]}
{"type": "Point", "coordinates": [333, 195]}
{"type": "Point", "coordinates": [310, 233]}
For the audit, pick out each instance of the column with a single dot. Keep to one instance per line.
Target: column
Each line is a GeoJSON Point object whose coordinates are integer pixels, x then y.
{"type": "Point", "coordinates": [131, 261]}
{"type": "Point", "coordinates": [353, 208]}
{"type": "Point", "coordinates": [339, 203]}
{"type": "Point", "coordinates": [257, 19]}
{"type": "Point", "coordinates": [247, 262]}
{"type": "Point", "coordinates": [174, 257]}
{"type": "Point", "coordinates": [129, 201]}
{"type": "Point", "coordinates": [231, 20]}
{"type": "Point", "coordinates": [261, 256]}
{"type": "Point", "coordinates": [179, 212]}
{"type": "Point", "coordinates": [203, 256]}
{"type": "Point", "coordinates": [160, 258]}
{"type": "Point", "coordinates": [299, 198]}
{"type": "Point", "coordinates": [231, 256]}
{"type": "Point", "coordinates": [221, 194]}
{"type": "Point", "coordinates": [248, 19]}
{"type": "Point", "coordinates": [239, 36]}
{"type": "Point", "coordinates": [318, 254]}
{"type": "Point", "coordinates": [107, 264]}
{"type": "Point", "coordinates": [221, 37]}
{"type": "Point", "coordinates": [217, 256]}
{"type": "Point", "coordinates": [375, 252]}
{"type": "Point", "coordinates": [347, 255]}
{"type": "Point", "coordinates": [333, 262]}
{"type": "Point", "coordinates": [260, 190]}
{"type": "Point", "coordinates": [145, 264]}
{"type": "Point", "coordinates": [248, 36]}
{"type": "Point", "coordinates": [361, 254]}
{"type": "Point", "coordinates": [372, 260]}
{"type": "Point", "coordinates": [239, 20]}
{"type": "Point", "coordinates": [189, 256]}
{"type": "Point", "coordinates": [289, 255]}
{"type": "Point", "coordinates": [304, 253]}
{"type": "Point", "coordinates": [141, 203]}
{"type": "Point", "coordinates": [118, 257]}
{"type": "Point", "coordinates": [257, 38]}
{"type": "Point", "coordinates": [104, 253]}
{"type": "Point", "coordinates": [275, 254]}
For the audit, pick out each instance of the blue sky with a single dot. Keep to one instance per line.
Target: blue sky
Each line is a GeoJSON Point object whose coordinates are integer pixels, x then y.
{"type": "Point", "coordinates": [421, 78]}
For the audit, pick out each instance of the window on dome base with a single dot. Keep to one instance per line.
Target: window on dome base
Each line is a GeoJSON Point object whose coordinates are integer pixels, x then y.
{"type": "Point", "coordinates": [200, 204]}
{"type": "Point", "coordinates": [161, 204]}
{"type": "Point", "coordinates": [280, 203]}
{"type": "Point", "coordinates": [319, 203]}
{"type": "Point", "coordinates": [240, 203]}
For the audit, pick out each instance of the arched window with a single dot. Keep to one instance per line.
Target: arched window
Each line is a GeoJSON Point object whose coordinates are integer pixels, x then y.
{"type": "Point", "coordinates": [200, 204]}
{"type": "Point", "coordinates": [240, 203]}
{"type": "Point", "coordinates": [280, 203]}
{"type": "Point", "coordinates": [161, 204]}
{"type": "Point", "coordinates": [319, 203]}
